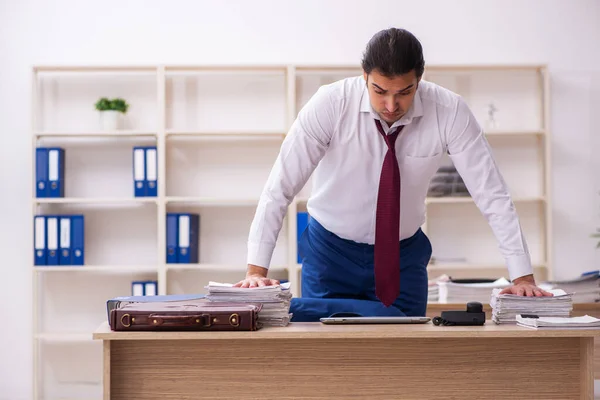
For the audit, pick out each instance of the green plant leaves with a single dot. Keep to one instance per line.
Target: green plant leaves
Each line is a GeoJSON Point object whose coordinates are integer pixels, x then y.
{"type": "Point", "coordinates": [116, 104]}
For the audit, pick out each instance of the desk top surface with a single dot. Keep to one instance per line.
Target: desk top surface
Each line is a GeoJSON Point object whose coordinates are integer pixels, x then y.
{"type": "Point", "coordinates": [461, 306]}
{"type": "Point", "coordinates": [317, 330]}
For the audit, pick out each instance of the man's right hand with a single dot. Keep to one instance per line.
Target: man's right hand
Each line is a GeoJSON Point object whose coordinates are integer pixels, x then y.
{"type": "Point", "coordinates": [256, 276]}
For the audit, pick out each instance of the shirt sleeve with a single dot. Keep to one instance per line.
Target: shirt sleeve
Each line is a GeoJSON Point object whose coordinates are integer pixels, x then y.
{"type": "Point", "coordinates": [301, 150]}
{"type": "Point", "coordinates": [472, 157]}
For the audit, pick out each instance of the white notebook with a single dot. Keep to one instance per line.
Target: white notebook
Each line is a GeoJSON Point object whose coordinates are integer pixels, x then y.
{"type": "Point", "coordinates": [585, 321]}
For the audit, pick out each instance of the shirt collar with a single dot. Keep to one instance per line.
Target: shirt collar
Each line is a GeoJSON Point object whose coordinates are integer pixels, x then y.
{"type": "Point", "coordinates": [416, 109]}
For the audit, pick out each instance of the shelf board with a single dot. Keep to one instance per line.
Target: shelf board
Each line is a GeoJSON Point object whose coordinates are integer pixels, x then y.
{"type": "Point", "coordinates": [468, 199]}
{"type": "Point", "coordinates": [514, 133]}
{"type": "Point", "coordinates": [225, 69]}
{"type": "Point", "coordinates": [96, 200]}
{"type": "Point", "coordinates": [113, 269]}
{"type": "Point", "coordinates": [254, 135]}
{"type": "Point", "coordinates": [213, 201]}
{"type": "Point", "coordinates": [95, 68]}
{"type": "Point", "coordinates": [96, 134]}
{"type": "Point", "coordinates": [65, 337]}
{"type": "Point", "coordinates": [471, 266]}
{"type": "Point", "coordinates": [213, 267]}
{"type": "Point", "coordinates": [328, 70]}
{"type": "Point", "coordinates": [455, 200]}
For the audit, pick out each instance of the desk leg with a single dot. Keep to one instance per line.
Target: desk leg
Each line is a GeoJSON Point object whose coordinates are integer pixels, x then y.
{"type": "Point", "coordinates": [106, 369]}
{"type": "Point", "coordinates": [587, 368]}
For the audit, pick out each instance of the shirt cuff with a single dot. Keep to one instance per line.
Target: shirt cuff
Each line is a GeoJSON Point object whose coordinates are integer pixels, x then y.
{"type": "Point", "coordinates": [260, 254]}
{"type": "Point", "coordinates": [519, 266]}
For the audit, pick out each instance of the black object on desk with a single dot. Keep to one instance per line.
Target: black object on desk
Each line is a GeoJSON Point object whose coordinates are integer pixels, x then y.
{"type": "Point", "coordinates": [474, 315]}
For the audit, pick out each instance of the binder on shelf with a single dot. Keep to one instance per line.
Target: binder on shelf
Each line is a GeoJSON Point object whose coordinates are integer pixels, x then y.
{"type": "Point", "coordinates": [77, 240]}
{"type": "Point", "coordinates": [151, 172]}
{"type": "Point", "coordinates": [41, 172]}
{"type": "Point", "coordinates": [144, 288]}
{"type": "Point", "coordinates": [150, 288]}
{"type": "Point", "coordinates": [65, 240]}
{"type": "Point", "coordinates": [39, 239]}
{"type": "Point", "coordinates": [53, 235]}
{"type": "Point", "coordinates": [56, 172]}
{"type": "Point", "coordinates": [302, 218]}
{"type": "Point", "coordinates": [137, 288]}
{"type": "Point", "coordinates": [139, 171]}
{"type": "Point", "coordinates": [172, 237]}
{"type": "Point", "coordinates": [188, 237]}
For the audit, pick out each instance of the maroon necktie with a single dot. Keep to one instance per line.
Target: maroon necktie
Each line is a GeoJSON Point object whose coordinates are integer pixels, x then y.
{"type": "Point", "coordinates": [387, 224]}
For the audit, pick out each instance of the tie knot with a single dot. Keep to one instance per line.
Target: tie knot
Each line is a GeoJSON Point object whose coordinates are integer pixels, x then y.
{"type": "Point", "coordinates": [391, 138]}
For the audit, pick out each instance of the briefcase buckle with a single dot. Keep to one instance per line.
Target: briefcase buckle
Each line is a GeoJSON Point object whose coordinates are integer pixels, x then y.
{"type": "Point", "coordinates": [126, 320]}
{"type": "Point", "coordinates": [206, 321]}
{"type": "Point", "coordinates": [234, 319]}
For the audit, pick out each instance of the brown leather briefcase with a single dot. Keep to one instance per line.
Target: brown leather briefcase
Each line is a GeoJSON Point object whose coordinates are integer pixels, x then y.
{"type": "Point", "coordinates": [192, 315]}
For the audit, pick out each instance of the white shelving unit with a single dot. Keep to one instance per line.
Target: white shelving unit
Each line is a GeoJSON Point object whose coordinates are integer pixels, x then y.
{"type": "Point", "coordinates": [218, 130]}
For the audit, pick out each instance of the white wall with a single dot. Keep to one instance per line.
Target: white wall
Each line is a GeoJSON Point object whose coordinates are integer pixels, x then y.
{"type": "Point", "coordinates": [564, 34]}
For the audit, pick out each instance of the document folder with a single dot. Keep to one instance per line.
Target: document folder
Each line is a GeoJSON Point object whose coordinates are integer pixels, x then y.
{"type": "Point", "coordinates": [139, 171]}
{"type": "Point", "coordinates": [172, 237]}
{"type": "Point", "coordinates": [78, 239]}
{"type": "Point", "coordinates": [189, 231]}
{"type": "Point", "coordinates": [56, 172]}
{"type": "Point", "coordinates": [41, 172]}
{"type": "Point", "coordinates": [53, 232]}
{"type": "Point", "coordinates": [151, 172]}
{"type": "Point", "coordinates": [65, 240]}
{"type": "Point", "coordinates": [39, 239]}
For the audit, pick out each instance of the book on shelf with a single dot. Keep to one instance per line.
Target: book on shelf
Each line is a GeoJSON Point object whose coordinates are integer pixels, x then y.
{"type": "Point", "coordinates": [183, 235]}
{"type": "Point", "coordinates": [145, 171]}
{"type": "Point", "coordinates": [50, 172]}
{"type": "Point", "coordinates": [59, 240]}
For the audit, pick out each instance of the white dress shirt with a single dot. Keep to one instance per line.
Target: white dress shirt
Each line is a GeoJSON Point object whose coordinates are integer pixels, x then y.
{"type": "Point", "coordinates": [336, 137]}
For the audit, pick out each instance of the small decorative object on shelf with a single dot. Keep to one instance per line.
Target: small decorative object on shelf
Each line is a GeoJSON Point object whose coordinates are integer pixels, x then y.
{"type": "Point", "coordinates": [491, 122]}
{"type": "Point", "coordinates": [111, 113]}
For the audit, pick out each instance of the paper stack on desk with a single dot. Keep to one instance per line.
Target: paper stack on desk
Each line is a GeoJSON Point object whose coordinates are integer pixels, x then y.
{"type": "Point", "coordinates": [465, 290]}
{"type": "Point", "coordinates": [559, 322]}
{"type": "Point", "coordinates": [275, 300]}
{"type": "Point", "coordinates": [585, 288]}
{"type": "Point", "coordinates": [506, 307]}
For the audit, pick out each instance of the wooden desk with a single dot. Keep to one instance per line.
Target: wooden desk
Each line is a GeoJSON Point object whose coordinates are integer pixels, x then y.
{"type": "Point", "coordinates": [579, 309]}
{"type": "Point", "coordinates": [316, 361]}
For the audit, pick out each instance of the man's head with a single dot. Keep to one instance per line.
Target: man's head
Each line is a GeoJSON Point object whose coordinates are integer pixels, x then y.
{"type": "Point", "coordinates": [393, 65]}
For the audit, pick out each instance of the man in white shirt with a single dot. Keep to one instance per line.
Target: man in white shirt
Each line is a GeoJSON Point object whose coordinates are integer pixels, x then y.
{"type": "Point", "coordinates": [372, 144]}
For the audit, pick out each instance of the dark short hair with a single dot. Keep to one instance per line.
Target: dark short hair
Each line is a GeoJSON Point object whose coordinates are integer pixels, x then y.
{"type": "Point", "coordinates": [394, 52]}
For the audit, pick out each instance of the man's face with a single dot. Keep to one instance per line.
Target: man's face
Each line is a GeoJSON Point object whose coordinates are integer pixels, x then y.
{"type": "Point", "coordinates": [391, 97]}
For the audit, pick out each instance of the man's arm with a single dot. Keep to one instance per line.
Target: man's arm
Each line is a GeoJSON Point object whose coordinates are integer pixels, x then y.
{"type": "Point", "coordinates": [473, 159]}
{"type": "Point", "coordinates": [302, 149]}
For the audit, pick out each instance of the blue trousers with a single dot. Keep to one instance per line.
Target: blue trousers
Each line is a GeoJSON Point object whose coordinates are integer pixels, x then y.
{"type": "Point", "coordinates": [338, 277]}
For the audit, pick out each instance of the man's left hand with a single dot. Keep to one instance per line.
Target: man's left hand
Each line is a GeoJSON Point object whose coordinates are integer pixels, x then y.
{"type": "Point", "coordinates": [525, 286]}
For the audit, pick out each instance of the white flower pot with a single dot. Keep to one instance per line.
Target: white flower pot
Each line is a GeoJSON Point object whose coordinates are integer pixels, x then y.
{"type": "Point", "coordinates": [110, 120]}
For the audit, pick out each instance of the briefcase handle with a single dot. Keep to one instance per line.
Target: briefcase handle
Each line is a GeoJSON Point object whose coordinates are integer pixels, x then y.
{"type": "Point", "coordinates": [199, 319]}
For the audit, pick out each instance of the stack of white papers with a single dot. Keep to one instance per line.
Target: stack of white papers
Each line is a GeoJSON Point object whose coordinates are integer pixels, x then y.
{"type": "Point", "coordinates": [506, 307]}
{"type": "Point", "coordinates": [559, 322]}
{"type": "Point", "coordinates": [585, 289]}
{"type": "Point", "coordinates": [458, 292]}
{"type": "Point", "coordinates": [275, 300]}
{"type": "Point", "coordinates": [433, 295]}
{"type": "Point", "coordinates": [434, 288]}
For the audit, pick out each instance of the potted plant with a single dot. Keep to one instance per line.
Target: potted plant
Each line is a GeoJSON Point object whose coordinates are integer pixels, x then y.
{"type": "Point", "coordinates": [111, 112]}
